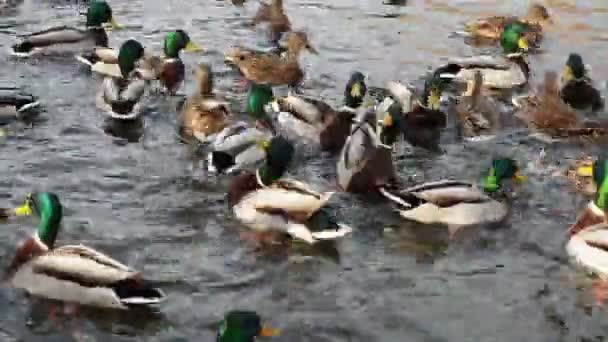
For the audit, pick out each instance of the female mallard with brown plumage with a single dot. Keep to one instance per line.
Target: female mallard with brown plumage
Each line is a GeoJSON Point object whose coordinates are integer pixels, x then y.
{"type": "Point", "coordinates": [577, 87]}
{"type": "Point", "coordinates": [73, 274]}
{"type": "Point", "coordinates": [316, 121]}
{"type": "Point", "coordinates": [270, 205]}
{"type": "Point", "coordinates": [273, 14]}
{"type": "Point", "coordinates": [270, 68]}
{"type": "Point", "coordinates": [98, 14]}
{"type": "Point", "coordinates": [203, 114]}
{"type": "Point", "coordinates": [491, 28]}
{"type": "Point", "coordinates": [478, 116]}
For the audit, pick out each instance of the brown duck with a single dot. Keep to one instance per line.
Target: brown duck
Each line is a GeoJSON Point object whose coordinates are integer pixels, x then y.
{"type": "Point", "coordinates": [477, 115]}
{"type": "Point", "coordinates": [274, 14]}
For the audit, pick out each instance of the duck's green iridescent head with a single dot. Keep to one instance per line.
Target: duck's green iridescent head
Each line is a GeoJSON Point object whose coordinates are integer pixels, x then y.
{"type": "Point", "coordinates": [47, 206]}
{"type": "Point", "coordinates": [279, 153]}
{"type": "Point", "coordinates": [432, 93]}
{"type": "Point", "coordinates": [600, 176]}
{"type": "Point", "coordinates": [130, 52]}
{"type": "Point", "coordinates": [355, 90]}
{"type": "Point", "coordinates": [575, 68]}
{"type": "Point", "coordinates": [176, 41]}
{"type": "Point", "coordinates": [502, 169]}
{"type": "Point", "coordinates": [243, 326]}
{"type": "Point", "coordinates": [512, 39]}
{"type": "Point", "coordinates": [99, 13]}
{"type": "Point", "coordinates": [258, 97]}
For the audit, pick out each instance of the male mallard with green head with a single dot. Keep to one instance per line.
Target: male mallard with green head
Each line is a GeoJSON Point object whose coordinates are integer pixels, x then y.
{"type": "Point", "coordinates": [273, 206]}
{"type": "Point", "coordinates": [577, 88]}
{"type": "Point", "coordinates": [203, 114]}
{"type": "Point", "coordinates": [121, 96]}
{"type": "Point", "coordinates": [588, 237]}
{"type": "Point", "coordinates": [16, 105]}
{"type": "Point", "coordinates": [98, 13]}
{"type": "Point", "coordinates": [506, 72]}
{"type": "Point", "coordinates": [243, 326]}
{"type": "Point", "coordinates": [235, 147]}
{"type": "Point", "coordinates": [270, 68]}
{"type": "Point", "coordinates": [533, 24]}
{"type": "Point", "coordinates": [478, 115]}
{"type": "Point", "coordinates": [172, 70]}
{"type": "Point", "coordinates": [316, 121]}
{"type": "Point", "coordinates": [457, 203]}
{"type": "Point", "coordinates": [74, 273]}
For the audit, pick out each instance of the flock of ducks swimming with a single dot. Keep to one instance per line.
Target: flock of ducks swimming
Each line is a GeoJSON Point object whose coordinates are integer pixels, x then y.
{"type": "Point", "coordinates": [362, 133]}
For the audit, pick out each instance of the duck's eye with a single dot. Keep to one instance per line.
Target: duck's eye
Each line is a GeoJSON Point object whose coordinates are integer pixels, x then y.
{"type": "Point", "coordinates": [241, 58]}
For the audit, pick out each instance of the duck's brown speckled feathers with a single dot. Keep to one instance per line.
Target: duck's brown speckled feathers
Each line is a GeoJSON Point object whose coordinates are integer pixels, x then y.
{"type": "Point", "coordinates": [373, 172]}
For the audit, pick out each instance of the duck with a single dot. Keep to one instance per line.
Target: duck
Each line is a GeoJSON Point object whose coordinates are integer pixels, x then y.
{"type": "Point", "coordinates": [478, 116]}
{"type": "Point", "coordinates": [577, 88]}
{"type": "Point", "coordinates": [16, 104]}
{"type": "Point", "coordinates": [274, 14]}
{"type": "Point", "coordinates": [316, 121]}
{"type": "Point", "coordinates": [457, 203]}
{"type": "Point", "coordinates": [588, 236]}
{"type": "Point", "coordinates": [243, 326]}
{"type": "Point", "coordinates": [203, 114]}
{"type": "Point", "coordinates": [74, 274]}
{"type": "Point", "coordinates": [548, 113]}
{"type": "Point", "coordinates": [271, 68]}
{"type": "Point", "coordinates": [121, 97]}
{"type": "Point", "coordinates": [98, 14]}
{"type": "Point", "coordinates": [491, 28]}
{"type": "Point", "coordinates": [580, 174]}
{"type": "Point", "coordinates": [498, 72]}
{"type": "Point", "coordinates": [269, 204]}
{"type": "Point", "coordinates": [365, 162]}
{"type": "Point", "coordinates": [235, 148]}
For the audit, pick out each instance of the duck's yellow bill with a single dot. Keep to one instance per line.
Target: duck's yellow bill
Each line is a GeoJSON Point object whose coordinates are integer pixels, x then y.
{"type": "Point", "coordinates": [23, 210]}
{"type": "Point", "coordinates": [355, 90]}
{"type": "Point", "coordinates": [522, 44]}
{"type": "Point", "coordinates": [113, 25]}
{"type": "Point", "coordinates": [263, 144]}
{"type": "Point", "coordinates": [387, 121]}
{"type": "Point", "coordinates": [192, 47]}
{"type": "Point", "coordinates": [585, 171]}
{"type": "Point", "coordinates": [567, 74]}
{"type": "Point", "coordinates": [269, 332]}
{"type": "Point", "coordinates": [520, 178]}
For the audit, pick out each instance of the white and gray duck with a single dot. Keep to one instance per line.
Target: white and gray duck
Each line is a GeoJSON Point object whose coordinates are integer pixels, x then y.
{"type": "Point", "coordinates": [16, 104]}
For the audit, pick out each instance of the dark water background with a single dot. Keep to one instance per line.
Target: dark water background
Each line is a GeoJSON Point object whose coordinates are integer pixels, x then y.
{"type": "Point", "coordinates": [146, 205]}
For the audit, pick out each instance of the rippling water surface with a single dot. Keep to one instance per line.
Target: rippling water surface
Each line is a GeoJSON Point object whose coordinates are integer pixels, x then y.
{"type": "Point", "coordinates": [145, 204]}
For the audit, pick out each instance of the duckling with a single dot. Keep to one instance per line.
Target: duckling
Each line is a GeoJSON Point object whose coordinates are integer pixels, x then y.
{"type": "Point", "coordinates": [266, 203]}
{"type": "Point", "coordinates": [478, 116]}
{"type": "Point", "coordinates": [16, 105]}
{"type": "Point", "coordinates": [533, 23]}
{"type": "Point", "coordinates": [316, 121]}
{"type": "Point", "coordinates": [274, 14]}
{"type": "Point", "coordinates": [577, 88]}
{"type": "Point", "coordinates": [243, 326]}
{"type": "Point", "coordinates": [269, 68]}
{"type": "Point", "coordinates": [456, 203]}
{"type": "Point", "coordinates": [73, 273]}
{"type": "Point", "coordinates": [507, 72]}
{"type": "Point", "coordinates": [121, 96]}
{"type": "Point", "coordinates": [98, 13]}
{"type": "Point", "coordinates": [203, 114]}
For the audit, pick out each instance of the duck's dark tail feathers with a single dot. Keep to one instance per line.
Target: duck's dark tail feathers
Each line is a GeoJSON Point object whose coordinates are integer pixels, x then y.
{"type": "Point", "coordinates": [123, 106]}
{"type": "Point", "coordinates": [137, 292]}
{"type": "Point", "coordinates": [220, 161]}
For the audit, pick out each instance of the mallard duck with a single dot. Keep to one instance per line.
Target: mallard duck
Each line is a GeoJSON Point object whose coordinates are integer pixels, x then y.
{"type": "Point", "coordinates": [16, 104]}
{"type": "Point", "coordinates": [365, 163]}
{"type": "Point", "coordinates": [588, 237]}
{"type": "Point", "coordinates": [121, 96]}
{"type": "Point", "coordinates": [235, 147]}
{"type": "Point", "coordinates": [316, 121]}
{"type": "Point", "coordinates": [577, 88]}
{"type": "Point", "coordinates": [533, 23]}
{"type": "Point", "coordinates": [98, 13]}
{"type": "Point", "coordinates": [74, 273]}
{"type": "Point", "coordinates": [580, 173]}
{"type": "Point", "coordinates": [549, 114]}
{"type": "Point", "coordinates": [203, 114]}
{"type": "Point", "coordinates": [497, 72]}
{"type": "Point", "coordinates": [270, 68]}
{"type": "Point", "coordinates": [268, 204]}
{"type": "Point", "coordinates": [274, 14]}
{"type": "Point", "coordinates": [456, 203]}
{"type": "Point", "coordinates": [243, 326]}
{"type": "Point", "coordinates": [478, 116]}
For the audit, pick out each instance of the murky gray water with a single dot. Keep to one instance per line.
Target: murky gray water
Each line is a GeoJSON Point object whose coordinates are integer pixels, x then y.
{"type": "Point", "coordinates": [144, 204]}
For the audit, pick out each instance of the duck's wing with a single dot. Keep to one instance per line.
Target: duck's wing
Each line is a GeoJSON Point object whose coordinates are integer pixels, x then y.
{"type": "Point", "coordinates": [298, 204]}
{"type": "Point", "coordinates": [55, 35]}
{"type": "Point", "coordinates": [449, 193]}
{"type": "Point", "coordinates": [82, 265]}
{"type": "Point", "coordinates": [307, 109]}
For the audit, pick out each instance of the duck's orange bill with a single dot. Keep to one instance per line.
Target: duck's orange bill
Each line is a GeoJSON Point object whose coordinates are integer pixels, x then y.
{"type": "Point", "coordinates": [269, 332]}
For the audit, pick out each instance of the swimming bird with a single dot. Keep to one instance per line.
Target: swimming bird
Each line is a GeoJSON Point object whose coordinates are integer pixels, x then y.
{"type": "Point", "coordinates": [577, 87]}
{"type": "Point", "coordinates": [15, 104]}
{"type": "Point", "coordinates": [243, 326]}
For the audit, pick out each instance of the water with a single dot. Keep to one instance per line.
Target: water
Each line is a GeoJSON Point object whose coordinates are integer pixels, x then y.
{"type": "Point", "coordinates": [144, 203]}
